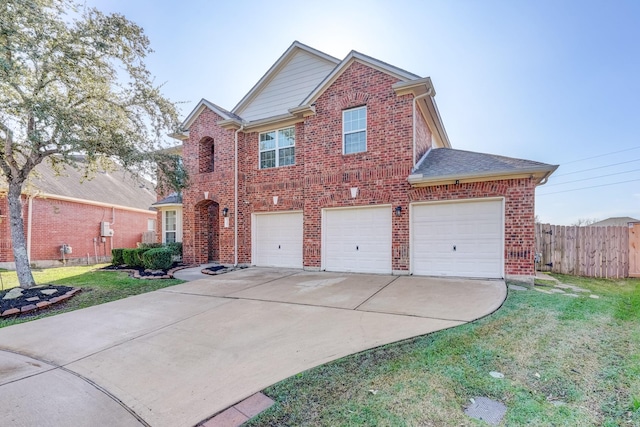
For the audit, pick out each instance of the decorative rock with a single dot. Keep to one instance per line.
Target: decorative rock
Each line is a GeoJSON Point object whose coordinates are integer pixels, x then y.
{"type": "Point", "coordinates": [594, 296]}
{"type": "Point", "coordinates": [557, 291]}
{"type": "Point", "coordinates": [543, 291]}
{"type": "Point", "coordinates": [43, 304]}
{"type": "Point", "coordinates": [32, 299]}
{"type": "Point", "coordinates": [13, 293]}
{"type": "Point", "coordinates": [48, 291]}
{"type": "Point", "coordinates": [572, 295]}
{"type": "Point", "coordinates": [495, 374]}
{"type": "Point", "coordinates": [10, 312]}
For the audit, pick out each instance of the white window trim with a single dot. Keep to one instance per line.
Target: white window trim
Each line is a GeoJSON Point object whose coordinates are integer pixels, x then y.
{"type": "Point", "coordinates": [277, 148]}
{"type": "Point", "coordinates": [178, 230]}
{"type": "Point", "coordinates": [151, 224]}
{"type": "Point", "coordinates": [362, 107]}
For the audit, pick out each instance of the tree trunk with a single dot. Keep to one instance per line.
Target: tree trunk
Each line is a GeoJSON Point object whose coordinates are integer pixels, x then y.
{"type": "Point", "coordinates": [18, 241]}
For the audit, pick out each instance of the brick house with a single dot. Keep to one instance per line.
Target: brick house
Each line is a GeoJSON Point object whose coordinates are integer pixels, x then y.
{"type": "Point", "coordinates": [89, 216]}
{"type": "Point", "coordinates": [345, 165]}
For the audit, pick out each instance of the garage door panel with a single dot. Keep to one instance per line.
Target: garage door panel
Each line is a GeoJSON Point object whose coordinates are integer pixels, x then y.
{"type": "Point", "coordinates": [277, 240]}
{"type": "Point", "coordinates": [474, 228]}
{"type": "Point", "coordinates": [357, 240]}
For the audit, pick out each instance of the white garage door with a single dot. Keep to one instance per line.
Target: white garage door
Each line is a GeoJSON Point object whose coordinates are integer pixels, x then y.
{"type": "Point", "coordinates": [463, 239]}
{"type": "Point", "coordinates": [277, 240]}
{"type": "Point", "coordinates": [357, 239]}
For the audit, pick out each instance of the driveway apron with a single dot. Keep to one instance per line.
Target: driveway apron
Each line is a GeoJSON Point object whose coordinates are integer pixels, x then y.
{"type": "Point", "coordinates": [176, 356]}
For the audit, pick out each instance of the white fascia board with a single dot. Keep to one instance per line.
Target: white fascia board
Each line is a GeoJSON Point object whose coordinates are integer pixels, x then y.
{"type": "Point", "coordinates": [418, 180]}
{"type": "Point", "coordinates": [198, 109]}
{"type": "Point", "coordinates": [276, 67]}
{"type": "Point", "coordinates": [91, 202]}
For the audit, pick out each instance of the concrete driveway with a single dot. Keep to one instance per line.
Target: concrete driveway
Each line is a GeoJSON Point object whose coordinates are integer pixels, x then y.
{"type": "Point", "coordinates": [176, 356]}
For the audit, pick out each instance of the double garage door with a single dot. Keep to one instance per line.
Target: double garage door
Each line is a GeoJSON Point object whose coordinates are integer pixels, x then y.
{"type": "Point", "coordinates": [463, 239]}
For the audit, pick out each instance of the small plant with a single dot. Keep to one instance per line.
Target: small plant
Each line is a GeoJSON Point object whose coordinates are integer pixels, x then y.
{"type": "Point", "coordinates": [176, 248]}
{"type": "Point", "coordinates": [157, 258]}
{"type": "Point", "coordinates": [117, 256]}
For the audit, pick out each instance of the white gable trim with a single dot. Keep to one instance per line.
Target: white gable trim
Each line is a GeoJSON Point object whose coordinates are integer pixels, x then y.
{"type": "Point", "coordinates": [275, 68]}
{"type": "Point", "coordinates": [199, 108]}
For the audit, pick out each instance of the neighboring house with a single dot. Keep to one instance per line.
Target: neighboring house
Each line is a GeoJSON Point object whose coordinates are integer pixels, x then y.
{"type": "Point", "coordinates": [91, 217]}
{"type": "Point", "coordinates": [345, 165]}
{"type": "Point", "coordinates": [615, 221]}
{"type": "Point", "coordinates": [169, 218]}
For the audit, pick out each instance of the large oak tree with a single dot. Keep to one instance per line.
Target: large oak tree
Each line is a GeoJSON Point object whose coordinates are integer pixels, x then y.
{"type": "Point", "coordinates": [72, 82]}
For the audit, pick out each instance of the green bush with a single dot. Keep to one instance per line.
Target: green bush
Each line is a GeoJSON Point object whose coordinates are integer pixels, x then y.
{"type": "Point", "coordinates": [128, 256]}
{"type": "Point", "coordinates": [133, 257]}
{"type": "Point", "coordinates": [158, 258]}
{"type": "Point", "coordinates": [149, 245]}
{"type": "Point", "coordinates": [176, 248]}
{"type": "Point", "coordinates": [116, 256]}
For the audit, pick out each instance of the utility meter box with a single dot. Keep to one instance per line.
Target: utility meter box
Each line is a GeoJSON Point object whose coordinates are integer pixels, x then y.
{"type": "Point", "coordinates": [105, 229]}
{"type": "Point", "coordinates": [66, 249]}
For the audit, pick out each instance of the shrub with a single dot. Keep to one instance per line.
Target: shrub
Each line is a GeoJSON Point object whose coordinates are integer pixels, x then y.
{"type": "Point", "coordinates": [176, 248]}
{"type": "Point", "coordinates": [149, 245]}
{"type": "Point", "coordinates": [116, 256]}
{"type": "Point", "coordinates": [128, 256]}
{"type": "Point", "coordinates": [139, 252]}
{"type": "Point", "coordinates": [158, 258]}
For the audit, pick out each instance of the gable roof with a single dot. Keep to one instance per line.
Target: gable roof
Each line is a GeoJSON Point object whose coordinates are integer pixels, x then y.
{"type": "Point", "coordinates": [352, 57]}
{"type": "Point", "coordinates": [614, 221]}
{"type": "Point", "coordinates": [116, 188]}
{"type": "Point", "coordinates": [299, 60]}
{"type": "Point", "coordinates": [449, 166]}
{"type": "Point", "coordinates": [186, 124]}
{"type": "Point", "coordinates": [172, 199]}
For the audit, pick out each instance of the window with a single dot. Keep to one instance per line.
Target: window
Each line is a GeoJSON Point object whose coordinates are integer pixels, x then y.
{"type": "Point", "coordinates": [277, 148]}
{"type": "Point", "coordinates": [151, 225]}
{"type": "Point", "coordinates": [170, 226]}
{"type": "Point", "coordinates": [354, 130]}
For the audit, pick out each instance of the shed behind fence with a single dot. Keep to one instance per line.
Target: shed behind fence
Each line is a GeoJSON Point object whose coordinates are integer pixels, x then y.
{"type": "Point", "coordinates": [585, 251]}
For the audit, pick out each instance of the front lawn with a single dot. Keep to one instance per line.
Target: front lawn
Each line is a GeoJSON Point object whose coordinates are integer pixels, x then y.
{"type": "Point", "coordinates": [98, 286]}
{"type": "Point", "coordinates": [567, 361]}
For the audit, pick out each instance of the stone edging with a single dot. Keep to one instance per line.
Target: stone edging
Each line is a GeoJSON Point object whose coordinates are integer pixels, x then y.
{"type": "Point", "coordinates": [136, 274]}
{"type": "Point", "coordinates": [41, 304]}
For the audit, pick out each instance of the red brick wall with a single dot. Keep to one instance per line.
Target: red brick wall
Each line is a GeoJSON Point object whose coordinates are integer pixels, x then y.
{"type": "Point", "coordinates": [423, 137]}
{"type": "Point", "coordinates": [57, 222]}
{"type": "Point", "coordinates": [322, 176]}
{"type": "Point", "coordinates": [5, 235]}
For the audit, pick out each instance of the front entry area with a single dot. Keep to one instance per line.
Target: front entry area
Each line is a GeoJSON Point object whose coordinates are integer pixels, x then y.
{"type": "Point", "coordinates": [458, 239]}
{"type": "Point", "coordinates": [357, 239]}
{"type": "Point", "coordinates": [207, 232]}
{"type": "Point", "coordinates": [276, 239]}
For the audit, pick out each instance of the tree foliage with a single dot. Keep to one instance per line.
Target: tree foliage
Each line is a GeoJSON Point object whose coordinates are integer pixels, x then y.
{"type": "Point", "coordinates": [73, 81]}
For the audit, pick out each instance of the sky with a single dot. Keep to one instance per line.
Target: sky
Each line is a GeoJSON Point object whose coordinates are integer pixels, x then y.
{"type": "Point", "coordinates": [555, 81]}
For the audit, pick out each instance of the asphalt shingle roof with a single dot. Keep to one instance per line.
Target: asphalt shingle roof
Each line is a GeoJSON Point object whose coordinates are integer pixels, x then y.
{"type": "Point", "coordinates": [451, 163]}
{"type": "Point", "coordinates": [171, 199]}
{"type": "Point", "coordinates": [116, 187]}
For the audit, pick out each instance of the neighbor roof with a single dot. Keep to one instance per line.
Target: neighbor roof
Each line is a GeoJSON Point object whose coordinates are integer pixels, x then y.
{"type": "Point", "coordinates": [618, 220]}
{"type": "Point", "coordinates": [447, 165]}
{"type": "Point", "coordinates": [118, 187]}
{"type": "Point", "coordinates": [171, 200]}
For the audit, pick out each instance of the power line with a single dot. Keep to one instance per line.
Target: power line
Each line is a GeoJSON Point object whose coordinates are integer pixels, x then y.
{"type": "Point", "coordinates": [601, 155]}
{"type": "Point", "coordinates": [593, 177]}
{"type": "Point", "coordinates": [588, 188]}
{"type": "Point", "coordinates": [599, 167]}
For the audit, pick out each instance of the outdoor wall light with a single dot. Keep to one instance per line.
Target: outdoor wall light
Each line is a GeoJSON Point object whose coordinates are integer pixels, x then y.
{"type": "Point", "coordinates": [399, 211]}
{"type": "Point", "coordinates": [225, 212]}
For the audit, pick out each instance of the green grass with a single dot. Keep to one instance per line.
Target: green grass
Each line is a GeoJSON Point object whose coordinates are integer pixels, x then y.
{"type": "Point", "coordinates": [567, 362]}
{"type": "Point", "coordinates": [98, 287]}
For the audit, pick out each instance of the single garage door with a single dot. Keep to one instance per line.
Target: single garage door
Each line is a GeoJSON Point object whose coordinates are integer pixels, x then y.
{"type": "Point", "coordinates": [277, 239]}
{"type": "Point", "coordinates": [357, 239]}
{"type": "Point", "coordinates": [462, 239]}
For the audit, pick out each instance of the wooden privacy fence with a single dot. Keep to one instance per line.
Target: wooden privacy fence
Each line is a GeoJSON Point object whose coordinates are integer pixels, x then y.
{"type": "Point", "coordinates": [586, 251]}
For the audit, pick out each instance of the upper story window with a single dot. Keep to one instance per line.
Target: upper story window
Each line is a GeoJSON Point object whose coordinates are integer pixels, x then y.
{"type": "Point", "coordinates": [207, 155]}
{"type": "Point", "coordinates": [277, 148]}
{"type": "Point", "coordinates": [354, 130]}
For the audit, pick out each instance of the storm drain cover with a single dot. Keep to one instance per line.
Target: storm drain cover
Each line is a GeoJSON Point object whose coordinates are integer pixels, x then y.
{"type": "Point", "coordinates": [487, 410]}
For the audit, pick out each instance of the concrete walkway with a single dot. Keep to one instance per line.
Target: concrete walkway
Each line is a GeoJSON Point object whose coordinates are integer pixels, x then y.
{"type": "Point", "coordinates": [176, 356]}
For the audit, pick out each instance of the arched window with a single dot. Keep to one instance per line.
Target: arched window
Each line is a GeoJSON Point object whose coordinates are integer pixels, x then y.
{"type": "Point", "coordinates": [206, 155]}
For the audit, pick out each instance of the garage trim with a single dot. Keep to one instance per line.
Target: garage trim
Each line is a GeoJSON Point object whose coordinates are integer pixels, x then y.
{"type": "Point", "coordinates": [412, 232]}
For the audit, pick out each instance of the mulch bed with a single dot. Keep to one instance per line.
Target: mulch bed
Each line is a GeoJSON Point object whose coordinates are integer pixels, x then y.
{"type": "Point", "coordinates": [18, 301]}
{"type": "Point", "coordinates": [142, 273]}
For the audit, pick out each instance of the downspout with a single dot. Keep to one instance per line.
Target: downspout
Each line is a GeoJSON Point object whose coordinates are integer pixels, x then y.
{"type": "Point", "coordinates": [415, 104]}
{"type": "Point", "coordinates": [235, 206]}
